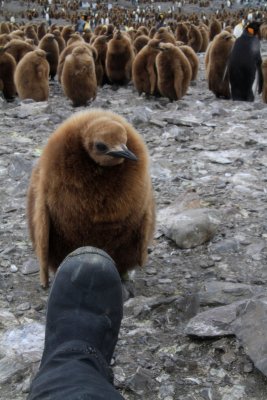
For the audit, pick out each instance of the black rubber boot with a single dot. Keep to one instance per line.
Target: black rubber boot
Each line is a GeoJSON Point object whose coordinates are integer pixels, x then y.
{"type": "Point", "coordinates": [83, 320]}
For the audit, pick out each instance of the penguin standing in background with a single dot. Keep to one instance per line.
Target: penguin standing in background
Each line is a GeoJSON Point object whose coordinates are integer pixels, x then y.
{"type": "Point", "coordinates": [245, 64]}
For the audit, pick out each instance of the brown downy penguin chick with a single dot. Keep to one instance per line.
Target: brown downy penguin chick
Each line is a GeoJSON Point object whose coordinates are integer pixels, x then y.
{"type": "Point", "coordinates": [18, 48]}
{"type": "Point", "coordinates": [110, 30]}
{"type": "Point", "coordinates": [74, 198]}
{"type": "Point", "coordinates": [205, 39]}
{"type": "Point", "coordinates": [131, 34]}
{"type": "Point", "coordinates": [120, 56]}
{"type": "Point", "coordinates": [31, 42]}
{"type": "Point", "coordinates": [98, 29]}
{"type": "Point", "coordinates": [207, 58]}
{"type": "Point", "coordinates": [75, 37]}
{"type": "Point", "coordinates": [41, 31]}
{"type": "Point", "coordinates": [173, 71]}
{"type": "Point", "coordinates": [228, 29]}
{"type": "Point", "coordinates": [143, 30]}
{"type": "Point", "coordinates": [68, 50]}
{"type": "Point", "coordinates": [164, 36]}
{"type": "Point", "coordinates": [140, 42]}
{"type": "Point", "coordinates": [31, 34]}
{"type": "Point", "coordinates": [264, 73]}
{"type": "Point", "coordinates": [99, 70]}
{"type": "Point", "coordinates": [181, 33]}
{"type": "Point", "coordinates": [31, 76]}
{"type": "Point", "coordinates": [52, 28]}
{"type": "Point", "coordinates": [7, 70]}
{"type": "Point", "coordinates": [144, 71]}
{"type": "Point", "coordinates": [215, 28]}
{"type": "Point", "coordinates": [18, 34]}
{"type": "Point", "coordinates": [50, 46]}
{"type": "Point", "coordinates": [100, 44]}
{"type": "Point", "coordinates": [4, 28]}
{"type": "Point", "coordinates": [192, 58]}
{"type": "Point", "coordinates": [60, 40]}
{"type": "Point", "coordinates": [195, 38]}
{"type": "Point", "coordinates": [152, 32]}
{"type": "Point", "coordinates": [216, 61]}
{"type": "Point", "coordinates": [87, 35]}
{"type": "Point", "coordinates": [67, 31]}
{"type": "Point", "coordinates": [5, 38]}
{"type": "Point", "coordinates": [79, 77]}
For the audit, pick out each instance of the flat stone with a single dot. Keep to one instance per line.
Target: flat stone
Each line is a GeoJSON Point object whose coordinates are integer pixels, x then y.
{"type": "Point", "coordinates": [251, 328]}
{"type": "Point", "coordinates": [7, 319]}
{"type": "Point", "coordinates": [23, 342]}
{"type": "Point", "coordinates": [215, 293]}
{"type": "Point", "coordinates": [190, 228]}
{"type": "Point", "coordinates": [236, 392]}
{"type": "Point", "coordinates": [24, 306]}
{"type": "Point", "coordinates": [214, 322]}
{"type": "Point", "coordinates": [160, 124]}
{"type": "Point", "coordinates": [190, 121]}
{"type": "Point", "coordinates": [225, 246]}
{"type": "Point", "coordinates": [30, 266]}
{"type": "Point", "coordinates": [140, 381]}
{"type": "Point", "coordinates": [9, 368]}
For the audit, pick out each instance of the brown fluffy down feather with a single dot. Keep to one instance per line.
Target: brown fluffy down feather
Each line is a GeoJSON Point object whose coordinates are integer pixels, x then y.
{"type": "Point", "coordinates": [74, 201]}
{"type": "Point", "coordinates": [216, 60]}
{"type": "Point", "coordinates": [49, 44]}
{"type": "Point", "coordinates": [144, 69]}
{"type": "Point", "coordinates": [79, 76]}
{"type": "Point", "coordinates": [192, 58]}
{"type": "Point", "coordinates": [119, 59]}
{"type": "Point", "coordinates": [18, 48]}
{"type": "Point", "coordinates": [31, 76]}
{"type": "Point", "coordinates": [7, 70]}
{"type": "Point", "coordinates": [68, 50]}
{"type": "Point", "coordinates": [173, 72]}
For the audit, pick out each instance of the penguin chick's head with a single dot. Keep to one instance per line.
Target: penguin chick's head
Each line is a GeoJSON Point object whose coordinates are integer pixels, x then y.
{"type": "Point", "coordinates": [105, 141]}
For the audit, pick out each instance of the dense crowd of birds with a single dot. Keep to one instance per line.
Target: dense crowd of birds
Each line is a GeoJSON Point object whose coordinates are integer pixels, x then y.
{"type": "Point", "coordinates": [160, 60]}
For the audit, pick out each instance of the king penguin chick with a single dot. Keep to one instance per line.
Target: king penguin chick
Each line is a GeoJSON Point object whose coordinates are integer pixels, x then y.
{"type": "Point", "coordinates": [7, 70]}
{"type": "Point", "coordinates": [92, 186]}
{"type": "Point", "coordinates": [31, 76]}
{"type": "Point", "coordinates": [79, 76]}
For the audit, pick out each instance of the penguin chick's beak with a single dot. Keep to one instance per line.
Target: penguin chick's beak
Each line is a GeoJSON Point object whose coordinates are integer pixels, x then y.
{"type": "Point", "coordinates": [122, 152]}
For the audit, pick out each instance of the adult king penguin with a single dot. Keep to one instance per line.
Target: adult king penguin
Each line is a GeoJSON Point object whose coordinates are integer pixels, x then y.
{"type": "Point", "coordinates": [245, 64]}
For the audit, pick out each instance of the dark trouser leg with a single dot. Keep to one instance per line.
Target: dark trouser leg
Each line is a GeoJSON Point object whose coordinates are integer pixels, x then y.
{"type": "Point", "coordinates": [83, 319]}
{"type": "Point", "coordinates": [75, 371]}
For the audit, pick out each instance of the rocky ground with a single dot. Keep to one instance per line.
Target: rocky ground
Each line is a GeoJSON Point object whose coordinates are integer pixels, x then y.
{"type": "Point", "coordinates": [190, 332]}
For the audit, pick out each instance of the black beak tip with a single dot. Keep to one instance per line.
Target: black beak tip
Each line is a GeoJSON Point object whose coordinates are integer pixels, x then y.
{"type": "Point", "coordinates": [123, 153]}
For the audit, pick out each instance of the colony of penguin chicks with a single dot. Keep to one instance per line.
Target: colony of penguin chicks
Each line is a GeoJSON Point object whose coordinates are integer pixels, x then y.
{"type": "Point", "coordinates": [158, 61]}
{"type": "Point", "coordinates": [85, 158]}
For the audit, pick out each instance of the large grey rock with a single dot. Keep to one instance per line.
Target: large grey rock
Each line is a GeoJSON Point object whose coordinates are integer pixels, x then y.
{"type": "Point", "coordinates": [190, 228]}
{"type": "Point", "coordinates": [140, 381]}
{"type": "Point", "coordinates": [30, 266]}
{"type": "Point", "coordinates": [21, 346]}
{"type": "Point", "coordinates": [218, 293]}
{"type": "Point", "coordinates": [24, 342]}
{"type": "Point", "coordinates": [214, 322]}
{"type": "Point", "coordinates": [7, 319]}
{"type": "Point", "coordinates": [251, 329]}
{"type": "Point", "coordinates": [9, 367]}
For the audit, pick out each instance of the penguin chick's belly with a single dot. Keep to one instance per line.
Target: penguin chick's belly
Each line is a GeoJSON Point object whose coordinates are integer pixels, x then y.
{"type": "Point", "coordinates": [119, 239]}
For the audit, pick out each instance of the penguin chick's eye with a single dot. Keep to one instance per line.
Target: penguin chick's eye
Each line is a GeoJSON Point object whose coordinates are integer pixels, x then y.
{"type": "Point", "coordinates": [101, 147]}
